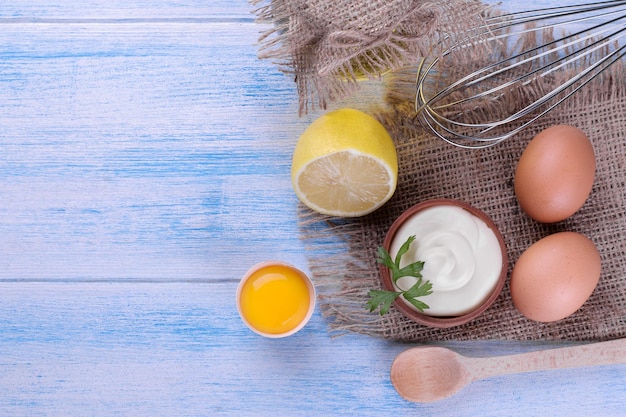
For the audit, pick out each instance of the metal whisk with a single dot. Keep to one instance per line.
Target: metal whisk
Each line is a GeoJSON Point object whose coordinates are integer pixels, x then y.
{"type": "Point", "coordinates": [515, 55]}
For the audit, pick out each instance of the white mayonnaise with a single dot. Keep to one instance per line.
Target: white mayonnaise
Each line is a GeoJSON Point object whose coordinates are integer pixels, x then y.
{"type": "Point", "coordinates": [461, 254]}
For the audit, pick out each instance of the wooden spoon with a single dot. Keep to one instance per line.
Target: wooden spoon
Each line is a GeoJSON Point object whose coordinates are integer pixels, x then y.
{"type": "Point", "coordinates": [425, 374]}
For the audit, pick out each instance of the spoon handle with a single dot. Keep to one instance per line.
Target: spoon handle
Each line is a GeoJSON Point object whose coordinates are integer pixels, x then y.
{"type": "Point", "coordinates": [603, 353]}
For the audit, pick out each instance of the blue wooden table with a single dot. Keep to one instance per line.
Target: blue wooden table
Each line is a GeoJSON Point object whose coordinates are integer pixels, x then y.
{"type": "Point", "coordinates": [144, 167]}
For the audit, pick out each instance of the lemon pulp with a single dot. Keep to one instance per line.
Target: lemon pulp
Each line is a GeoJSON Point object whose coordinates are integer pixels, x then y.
{"type": "Point", "coordinates": [346, 183]}
{"type": "Point", "coordinates": [275, 299]}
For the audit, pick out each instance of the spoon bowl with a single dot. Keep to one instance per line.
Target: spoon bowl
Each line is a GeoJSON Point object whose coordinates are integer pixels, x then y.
{"type": "Point", "coordinates": [428, 374]}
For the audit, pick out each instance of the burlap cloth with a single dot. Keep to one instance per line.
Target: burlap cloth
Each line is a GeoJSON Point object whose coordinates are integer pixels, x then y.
{"type": "Point", "coordinates": [328, 45]}
{"type": "Point", "coordinates": [342, 252]}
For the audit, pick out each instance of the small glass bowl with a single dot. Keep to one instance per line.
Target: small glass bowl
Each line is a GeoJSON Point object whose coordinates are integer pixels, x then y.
{"type": "Point", "coordinates": [274, 266]}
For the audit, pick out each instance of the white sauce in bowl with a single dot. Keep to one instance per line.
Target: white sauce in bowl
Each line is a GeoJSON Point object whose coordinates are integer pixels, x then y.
{"type": "Point", "coordinates": [461, 254]}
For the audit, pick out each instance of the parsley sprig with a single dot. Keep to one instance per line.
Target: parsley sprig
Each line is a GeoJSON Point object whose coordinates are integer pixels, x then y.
{"type": "Point", "coordinates": [382, 299]}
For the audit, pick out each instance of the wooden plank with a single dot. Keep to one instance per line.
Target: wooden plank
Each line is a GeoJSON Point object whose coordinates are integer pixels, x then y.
{"type": "Point", "coordinates": [117, 9]}
{"type": "Point", "coordinates": [180, 349]}
{"type": "Point", "coordinates": [142, 151]}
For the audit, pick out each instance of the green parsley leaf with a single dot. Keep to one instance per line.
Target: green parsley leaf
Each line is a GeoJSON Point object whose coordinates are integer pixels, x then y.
{"type": "Point", "coordinates": [385, 259]}
{"type": "Point", "coordinates": [411, 270]}
{"type": "Point", "coordinates": [404, 249]}
{"type": "Point", "coordinates": [419, 289]}
{"type": "Point", "coordinates": [383, 299]}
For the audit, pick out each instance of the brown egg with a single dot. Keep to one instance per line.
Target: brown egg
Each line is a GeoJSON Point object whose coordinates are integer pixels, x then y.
{"type": "Point", "coordinates": [555, 174]}
{"type": "Point", "coordinates": [555, 276]}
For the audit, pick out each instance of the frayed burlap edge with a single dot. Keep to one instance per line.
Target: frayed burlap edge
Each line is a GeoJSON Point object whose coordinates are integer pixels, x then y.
{"type": "Point", "coordinates": [328, 46]}
{"type": "Point", "coordinates": [342, 253]}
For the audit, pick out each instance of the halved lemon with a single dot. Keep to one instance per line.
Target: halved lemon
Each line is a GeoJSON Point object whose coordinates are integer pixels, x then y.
{"type": "Point", "coordinates": [345, 164]}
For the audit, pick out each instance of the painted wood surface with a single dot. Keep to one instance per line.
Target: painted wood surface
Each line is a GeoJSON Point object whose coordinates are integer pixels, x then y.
{"type": "Point", "coordinates": [144, 167]}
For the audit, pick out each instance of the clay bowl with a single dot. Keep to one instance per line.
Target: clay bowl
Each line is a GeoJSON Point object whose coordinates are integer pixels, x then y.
{"type": "Point", "coordinates": [447, 321]}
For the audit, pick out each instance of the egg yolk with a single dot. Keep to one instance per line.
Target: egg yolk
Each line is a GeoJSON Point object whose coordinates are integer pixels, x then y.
{"type": "Point", "coordinates": [275, 300]}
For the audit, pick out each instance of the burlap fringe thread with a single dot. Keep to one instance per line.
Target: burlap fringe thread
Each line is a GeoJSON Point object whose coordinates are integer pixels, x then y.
{"type": "Point", "coordinates": [328, 46]}
{"type": "Point", "coordinates": [342, 253]}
